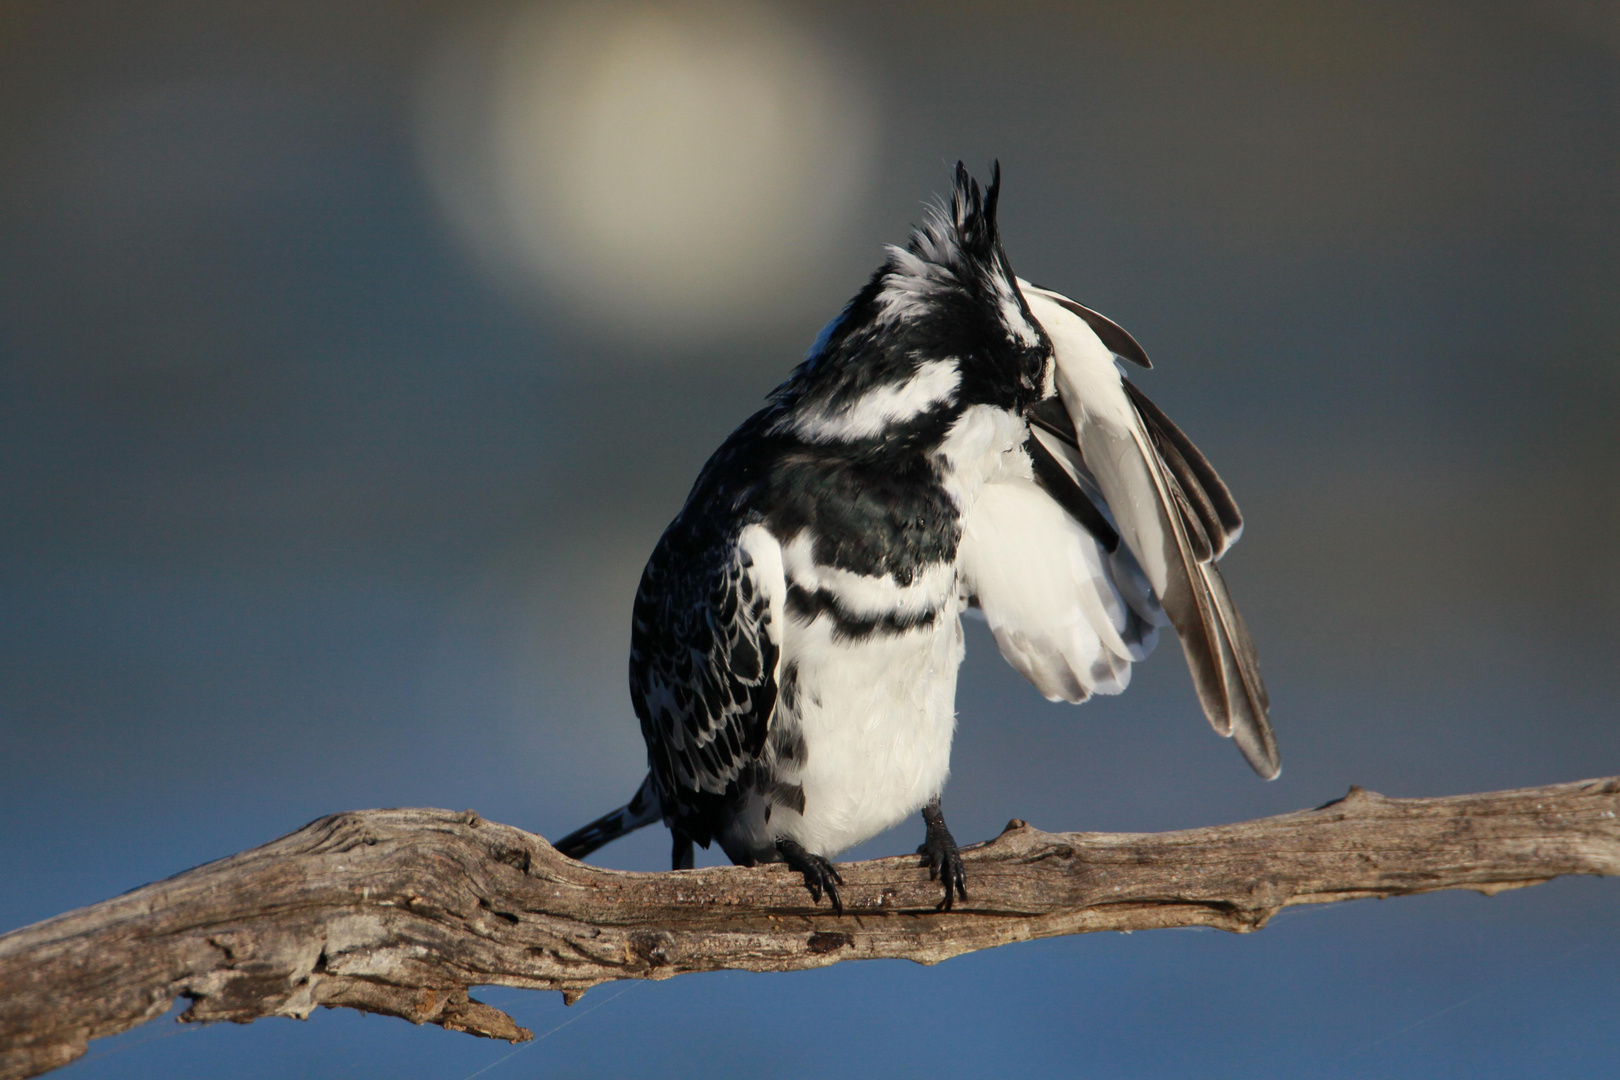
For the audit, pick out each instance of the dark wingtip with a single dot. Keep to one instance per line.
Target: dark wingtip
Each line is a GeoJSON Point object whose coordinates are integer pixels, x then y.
{"type": "Point", "coordinates": [1118, 340]}
{"type": "Point", "coordinates": [1258, 745]}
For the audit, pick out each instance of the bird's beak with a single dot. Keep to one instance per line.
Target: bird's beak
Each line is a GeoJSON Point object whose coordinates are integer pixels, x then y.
{"type": "Point", "coordinates": [1046, 391]}
{"type": "Point", "coordinates": [1050, 415]}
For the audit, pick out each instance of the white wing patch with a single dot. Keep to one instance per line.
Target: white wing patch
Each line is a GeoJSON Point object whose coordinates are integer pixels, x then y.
{"type": "Point", "coordinates": [1048, 591]}
{"type": "Point", "coordinates": [1110, 436]}
{"type": "Point", "coordinates": [1172, 513]}
{"type": "Point", "coordinates": [768, 576]}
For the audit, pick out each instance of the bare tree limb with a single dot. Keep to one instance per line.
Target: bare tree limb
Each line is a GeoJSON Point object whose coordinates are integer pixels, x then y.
{"type": "Point", "coordinates": [401, 911]}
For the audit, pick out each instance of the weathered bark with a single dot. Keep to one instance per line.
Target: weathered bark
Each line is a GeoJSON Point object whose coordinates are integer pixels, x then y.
{"type": "Point", "coordinates": [401, 911]}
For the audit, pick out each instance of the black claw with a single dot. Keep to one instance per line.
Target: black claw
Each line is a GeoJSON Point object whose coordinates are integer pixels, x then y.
{"type": "Point", "coordinates": [940, 854]}
{"type": "Point", "coordinates": [819, 874]}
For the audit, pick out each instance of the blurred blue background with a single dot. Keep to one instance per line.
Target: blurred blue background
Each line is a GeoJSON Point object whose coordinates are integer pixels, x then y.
{"type": "Point", "coordinates": [354, 354]}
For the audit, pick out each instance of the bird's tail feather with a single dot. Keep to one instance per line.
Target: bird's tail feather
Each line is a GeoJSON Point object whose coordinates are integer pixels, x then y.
{"type": "Point", "coordinates": [643, 809]}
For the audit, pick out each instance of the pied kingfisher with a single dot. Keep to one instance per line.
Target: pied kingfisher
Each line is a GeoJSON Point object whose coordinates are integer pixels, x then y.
{"type": "Point", "coordinates": [956, 437]}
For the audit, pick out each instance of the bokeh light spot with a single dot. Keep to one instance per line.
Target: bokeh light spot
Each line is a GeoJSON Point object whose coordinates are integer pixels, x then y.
{"type": "Point", "coordinates": [657, 174]}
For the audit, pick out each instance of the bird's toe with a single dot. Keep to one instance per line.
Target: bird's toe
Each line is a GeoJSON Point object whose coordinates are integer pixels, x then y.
{"type": "Point", "coordinates": [820, 875]}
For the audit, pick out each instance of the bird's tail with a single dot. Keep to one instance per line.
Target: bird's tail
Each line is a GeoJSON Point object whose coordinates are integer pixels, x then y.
{"type": "Point", "coordinates": [644, 809]}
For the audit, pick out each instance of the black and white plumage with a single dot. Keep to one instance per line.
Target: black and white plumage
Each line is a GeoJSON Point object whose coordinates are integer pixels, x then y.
{"type": "Point", "coordinates": [955, 437]}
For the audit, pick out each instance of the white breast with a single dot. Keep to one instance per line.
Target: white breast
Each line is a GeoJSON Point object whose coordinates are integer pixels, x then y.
{"type": "Point", "coordinates": [876, 715]}
{"type": "Point", "coordinates": [876, 712]}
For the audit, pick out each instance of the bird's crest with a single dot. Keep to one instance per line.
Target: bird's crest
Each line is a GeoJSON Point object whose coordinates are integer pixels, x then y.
{"type": "Point", "coordinates": [967, 228]}
{"type": "Point", "coordinates": [958, 246]}
{"type": "Point", "coordinates": [940, 323]}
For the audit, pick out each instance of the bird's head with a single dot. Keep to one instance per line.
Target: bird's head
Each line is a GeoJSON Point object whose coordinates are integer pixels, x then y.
{"type": "Point", "coordinates": [942, 326]}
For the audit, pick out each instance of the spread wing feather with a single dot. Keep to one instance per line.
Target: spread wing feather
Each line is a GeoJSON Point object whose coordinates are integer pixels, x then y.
{"type": "Point", "coordinates": [1171, 511]}
{"type": "Point", "coordinates": [1220, 653]}
{"type": "Point", "coordinates": [1218, 512]}
{"type": "Point", "coordinates": [1110, 333]}
{"type": "Point", "coordinates": [1050, 590]}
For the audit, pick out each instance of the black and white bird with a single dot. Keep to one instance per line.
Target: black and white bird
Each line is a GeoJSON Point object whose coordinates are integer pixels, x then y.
{"type": "Point", "coordinates": [956, 437]}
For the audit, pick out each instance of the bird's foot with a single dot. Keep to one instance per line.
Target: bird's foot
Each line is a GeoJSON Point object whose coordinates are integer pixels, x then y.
{"type": "Point", "coordinates": [940, 854]}
{"type": "Point", "coordinates": [818, 873]}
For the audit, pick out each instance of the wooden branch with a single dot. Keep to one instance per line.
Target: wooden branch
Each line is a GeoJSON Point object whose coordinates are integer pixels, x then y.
{"type": "Point", "coordinates": [401, 911]}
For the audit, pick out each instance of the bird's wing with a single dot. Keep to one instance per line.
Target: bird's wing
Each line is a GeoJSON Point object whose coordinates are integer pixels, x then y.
{"type": "Point", "coordinates": [704, 660]}
{"type": "Point", "coordinates": [1170, 510]}
{"type": "Point", "coordinates": [1068, 613]}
